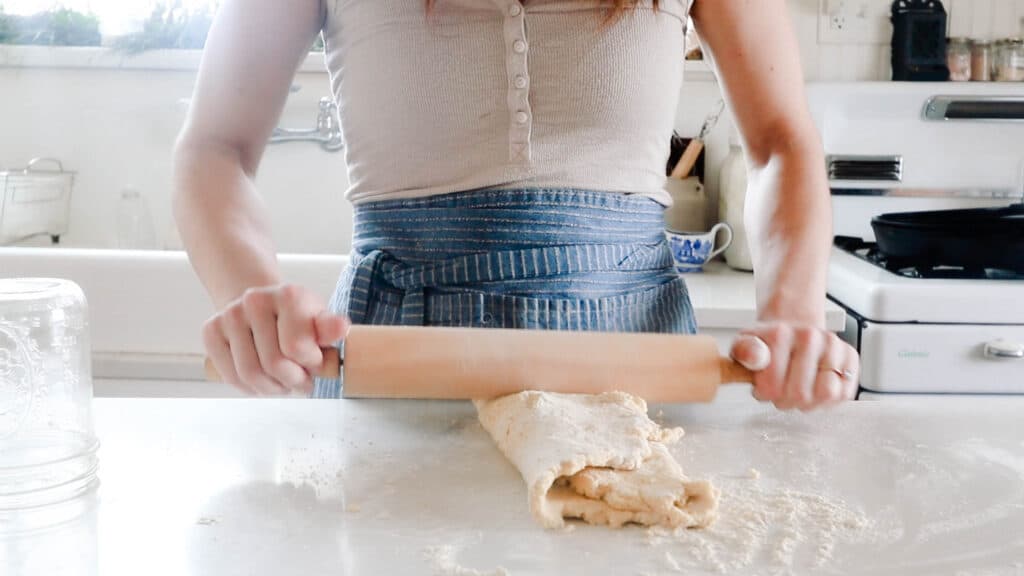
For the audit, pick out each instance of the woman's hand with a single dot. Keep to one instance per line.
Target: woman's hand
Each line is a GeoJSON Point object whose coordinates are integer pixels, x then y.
{"type": "Point", "coordinates": [798, 366]}
{"type": "Point", "coordinates": [267, 342]}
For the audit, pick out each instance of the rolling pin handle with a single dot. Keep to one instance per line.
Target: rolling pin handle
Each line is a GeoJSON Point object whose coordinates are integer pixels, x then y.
{"type": "Point", "coordinates": [331, 368]}
{"type": "Point", "coordinates": [735, 373]}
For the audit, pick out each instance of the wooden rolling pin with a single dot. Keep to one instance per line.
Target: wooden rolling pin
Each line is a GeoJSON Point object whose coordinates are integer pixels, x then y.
{"type": "Point", "coordinates": [689, 157]}
{"type": "Point", "coordinates": [465, 363]}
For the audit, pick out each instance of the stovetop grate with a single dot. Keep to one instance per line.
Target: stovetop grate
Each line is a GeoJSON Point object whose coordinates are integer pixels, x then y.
{"type": "Point", "coordinates": [869, 252]}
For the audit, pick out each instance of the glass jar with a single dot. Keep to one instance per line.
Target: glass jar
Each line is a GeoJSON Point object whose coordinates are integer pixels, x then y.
{"type": "Point", "coordinates": [47, 444]}
{"type": "Point", "coordinates": [981, 61]}
{"type": "Point", "coordinates": [958, 59]}
{"type": "Point", "coordinates": [996, 53]}
{"type": "Point", "coordinates": [1009, 61]}
{"type": "Point", "coordinates": [134, 222]}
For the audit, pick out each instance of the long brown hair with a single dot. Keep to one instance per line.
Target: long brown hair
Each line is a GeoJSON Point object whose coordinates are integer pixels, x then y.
{"type": "Point", "coordinates": [614, 12]}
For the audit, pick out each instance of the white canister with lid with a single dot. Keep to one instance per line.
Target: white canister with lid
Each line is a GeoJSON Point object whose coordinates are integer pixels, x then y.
{"type": "Point", "coordinates": [732, 195]}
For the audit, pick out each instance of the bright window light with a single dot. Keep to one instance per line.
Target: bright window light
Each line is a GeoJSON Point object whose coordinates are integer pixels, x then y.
{"type": "Point", "coordinates": [116, 17]}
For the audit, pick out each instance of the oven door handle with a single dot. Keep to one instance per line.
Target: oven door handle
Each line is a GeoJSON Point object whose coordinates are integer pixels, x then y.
{"type": "Point", "coordinates": [1004, 350]}
{"type": "Point", "coordinates": [974, 108]}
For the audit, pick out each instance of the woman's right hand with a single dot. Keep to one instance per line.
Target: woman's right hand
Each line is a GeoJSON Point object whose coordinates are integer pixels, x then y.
{"type": "Point", "coordinates": [267, 342]}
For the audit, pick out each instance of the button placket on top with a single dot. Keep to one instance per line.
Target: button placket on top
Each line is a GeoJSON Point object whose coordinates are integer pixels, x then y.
{"type": "Point", "coordinates": [517, 49]}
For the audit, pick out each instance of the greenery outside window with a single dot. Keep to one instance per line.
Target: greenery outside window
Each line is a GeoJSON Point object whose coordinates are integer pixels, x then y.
{"type": "Point", "coordinates": [169, 26]}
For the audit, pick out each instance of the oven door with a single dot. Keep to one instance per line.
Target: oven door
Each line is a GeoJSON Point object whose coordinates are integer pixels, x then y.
{"type": "Point", "coordinates": [939, 358]}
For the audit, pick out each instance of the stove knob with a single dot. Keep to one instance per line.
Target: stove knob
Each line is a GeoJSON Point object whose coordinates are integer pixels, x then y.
{"type": "Point", "coordinates": [1004, 349]}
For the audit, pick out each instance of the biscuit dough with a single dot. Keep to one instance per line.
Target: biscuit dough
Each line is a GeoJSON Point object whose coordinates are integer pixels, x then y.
{"type": "Point", "coordinates": [598, 458]}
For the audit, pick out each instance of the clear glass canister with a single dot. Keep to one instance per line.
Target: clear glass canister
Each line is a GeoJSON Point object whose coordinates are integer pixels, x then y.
{"type": "Point", "coordinates": [958, 58]}
{"type": "Point", "coordinates": [997, 52]}
{"type": "Point", "coordinates": [47, 444]}
{"type": "Point", "coordinates": [981, 61]}
{"type": "Point", "coordinates": [1009, 61]}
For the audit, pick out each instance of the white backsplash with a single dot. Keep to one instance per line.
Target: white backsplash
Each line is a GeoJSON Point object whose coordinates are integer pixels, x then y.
{"type": "Point", "coordinates": [861, 61]}
{"type": "Point", "coordinates": [986, 19]}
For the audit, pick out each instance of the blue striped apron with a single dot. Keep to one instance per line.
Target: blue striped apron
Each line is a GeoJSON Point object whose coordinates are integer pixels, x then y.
{"type": "Point", "coordinates": [532, 258]}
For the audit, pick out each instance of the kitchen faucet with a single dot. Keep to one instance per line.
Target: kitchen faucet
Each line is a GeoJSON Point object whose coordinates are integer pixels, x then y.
{"type": "Point", "coordinates": [327, 132]}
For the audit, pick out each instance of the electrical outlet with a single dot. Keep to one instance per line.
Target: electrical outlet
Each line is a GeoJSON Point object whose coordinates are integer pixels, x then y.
{"type": "Point", "coordinates": [854, 22]}
{"type": "Point", "coordinates": [837, 22]}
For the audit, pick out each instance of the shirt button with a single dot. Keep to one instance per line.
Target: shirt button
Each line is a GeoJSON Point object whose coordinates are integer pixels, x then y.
{"type": "Point", "coordinates": [522, 117]}
{"type": "Point", "coordinates": [515, 9]}
{"type": "Point", "coordinates": [519, 46]}
{"type": "Point", "coordinates": [520, 81]}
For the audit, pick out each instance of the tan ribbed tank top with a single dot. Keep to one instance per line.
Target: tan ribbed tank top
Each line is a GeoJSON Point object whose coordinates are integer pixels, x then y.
{"type": "Point", "coordinates": [498, 94]}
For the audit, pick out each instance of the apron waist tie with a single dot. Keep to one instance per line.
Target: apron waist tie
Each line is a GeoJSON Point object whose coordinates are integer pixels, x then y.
{"type": "Point", "coordinates": [378, 274]}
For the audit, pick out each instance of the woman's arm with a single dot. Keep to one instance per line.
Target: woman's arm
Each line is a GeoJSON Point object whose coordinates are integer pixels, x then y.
{"type": "Point", "coordinates": [788, 212]}
{"type": "Point", "coordinates": [251, 55]}
{"type": "Point", "coordinates": [253, 50]}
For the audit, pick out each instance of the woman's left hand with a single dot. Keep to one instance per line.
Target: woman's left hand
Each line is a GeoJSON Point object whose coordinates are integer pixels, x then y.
{"type": "Point", "coordinates": [798, 366]}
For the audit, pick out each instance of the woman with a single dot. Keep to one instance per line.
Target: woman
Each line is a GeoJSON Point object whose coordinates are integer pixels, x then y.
{"type": "Point", "coordinates": [506, 162]}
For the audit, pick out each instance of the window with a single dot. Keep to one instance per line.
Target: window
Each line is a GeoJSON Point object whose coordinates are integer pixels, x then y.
{"type": "Point", "coordinates": [116, 17]}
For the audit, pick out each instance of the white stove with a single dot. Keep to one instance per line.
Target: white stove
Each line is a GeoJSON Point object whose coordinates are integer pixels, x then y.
{"type": "Point", "coordinates": [924, 330]}
{"type": "Point", "coordinates": [930, 335]}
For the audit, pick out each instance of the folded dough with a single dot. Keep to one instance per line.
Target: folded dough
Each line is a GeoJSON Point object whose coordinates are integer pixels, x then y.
{"type": "Point", "coordinates": [596, 457]}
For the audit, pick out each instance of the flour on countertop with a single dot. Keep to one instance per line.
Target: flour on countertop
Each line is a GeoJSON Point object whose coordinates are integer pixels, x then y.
{"type": "Point", "coordinates": [972, 463]}
{"type": "Point", "coordinates": [673, 564]}
{"type": "Point", "coordinates": [445, 564]}
{"type": "Point", "coordinates": [315, 467]}
{"type": "Point", "coordinates": [761, 526]}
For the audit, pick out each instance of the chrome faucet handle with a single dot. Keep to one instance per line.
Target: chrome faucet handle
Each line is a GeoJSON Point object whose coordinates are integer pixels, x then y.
{"type": "Point", "coordinates": [328, 125]}
{"type": "Point", "coordinates": [327, 132]}
{"type": "Point", "coordinates": [328, 107]}
{"type": "Point", "coordinates": [325, 118]}
{"type": "Point", "coordinates": [333, 143]}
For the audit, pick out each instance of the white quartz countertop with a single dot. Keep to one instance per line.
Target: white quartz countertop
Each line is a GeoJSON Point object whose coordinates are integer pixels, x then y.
{"type": "Point", "coordinates": [273, 487]}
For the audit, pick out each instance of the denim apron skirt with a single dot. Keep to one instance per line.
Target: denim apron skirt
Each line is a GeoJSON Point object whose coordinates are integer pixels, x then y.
{"type": "Point", "coordinates": [539, 259]}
